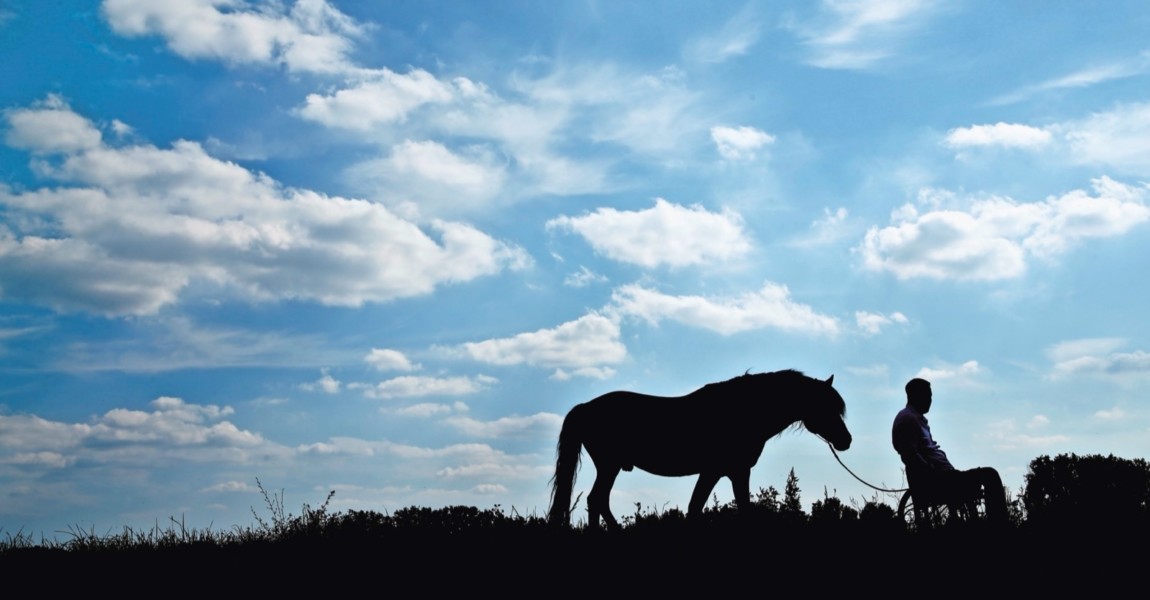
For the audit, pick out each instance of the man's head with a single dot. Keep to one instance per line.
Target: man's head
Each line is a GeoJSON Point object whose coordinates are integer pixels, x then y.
{"type": "Point", "coordinates": [918, 394]}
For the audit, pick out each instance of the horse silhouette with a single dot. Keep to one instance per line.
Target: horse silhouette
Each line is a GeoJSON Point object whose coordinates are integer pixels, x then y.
{"type": "Point", "coordinates": [716, 431]}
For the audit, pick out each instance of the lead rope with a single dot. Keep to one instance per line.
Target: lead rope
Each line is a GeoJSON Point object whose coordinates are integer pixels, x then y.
{"type": "Point", "coordinates": [864, 482]}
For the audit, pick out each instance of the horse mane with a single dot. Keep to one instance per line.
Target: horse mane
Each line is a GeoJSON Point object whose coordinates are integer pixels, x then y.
{"type": "Point", "coordinates": [786, 378]}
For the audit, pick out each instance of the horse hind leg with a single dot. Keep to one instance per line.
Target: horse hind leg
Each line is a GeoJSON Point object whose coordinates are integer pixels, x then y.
{"type": "Point", "coordinates": [703, 488]}
{"type": "Point", "coordinates": [599, 500]}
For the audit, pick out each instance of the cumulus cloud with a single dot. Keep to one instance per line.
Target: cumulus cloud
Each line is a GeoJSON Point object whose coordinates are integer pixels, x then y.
{"type": "Point", "coordinates": [311, 36]}
{"type": "Point", "coordinates": [386, 359]}
{"type": "Point", "coordinates": [962, 371]}
{"type": "Point", "coordinates": [409, 386]}
{"type": "Point", "coordinates": [859, 34]}
{"type": "Point", "coordinates": [429, 178]}
{"type": "Point", "coordinates": [1118, 139]}
{"type": "Point", "coordinates": [872, 323]}
{"type": "Point", "coordinates": [425, 410]}
{"type": "Point", "coordinates": [770, 307]}
{"type": "Point", "coordinates": [589, 341]}
{"type": "Point", "coordinates": [534, 425]}
{"type": "Point", "coordinates": [1007, 135]}
{"type": "Point", "coordinates": [992, 238]}
{"type": "Point", "coordinates": [385, 97]}
{"type": "Point", "coordinates": [50, 127]}
{"type": "Point", "coordinates": [129, 228]}
{"type": "Point", "coordinates": [589, 372]}
{"type": "Point", "coordinates": [232, 487]}
{"type": "Point", "coordinates": [740, 143]}
{"type": "Point", "coordinates": [666, 234]}
{"type": "Point", "coordinates": [326, 384]}
{"type": "Point", "coordinates": [171, 429]}
{"type": "Point", "coordinates": [1111, 414]}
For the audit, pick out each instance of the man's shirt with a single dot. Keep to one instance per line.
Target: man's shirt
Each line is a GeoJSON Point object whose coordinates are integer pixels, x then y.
{"type": "Point", "coordinates": [911, 438]}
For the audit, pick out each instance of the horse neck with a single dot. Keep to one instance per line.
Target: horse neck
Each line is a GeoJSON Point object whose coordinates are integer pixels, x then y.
{"type": "Point", "coordinates": [782, 408]}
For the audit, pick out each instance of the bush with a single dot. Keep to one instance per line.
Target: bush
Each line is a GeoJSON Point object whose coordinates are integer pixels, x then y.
{"type": "Point", "coordinates": [1070, 489]}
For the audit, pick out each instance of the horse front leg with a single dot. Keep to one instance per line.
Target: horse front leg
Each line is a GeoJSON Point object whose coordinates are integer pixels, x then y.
{"type": "Point", "coordinates": [599, 500]}
{"type": "Point", "coordinates": [741, 486]}
{"type": "Point", "coordinates": [703, 489]}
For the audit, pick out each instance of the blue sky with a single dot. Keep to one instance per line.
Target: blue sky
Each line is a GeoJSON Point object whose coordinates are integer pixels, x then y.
{"type": "Point", "coordinates": [382, 248]}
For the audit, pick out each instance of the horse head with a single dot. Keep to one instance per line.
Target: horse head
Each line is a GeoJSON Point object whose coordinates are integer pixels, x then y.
{"type": "Point", "coordinates": [825, 411]}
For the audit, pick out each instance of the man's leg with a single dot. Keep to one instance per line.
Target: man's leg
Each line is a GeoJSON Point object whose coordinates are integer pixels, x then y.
{"type": "Point", "coordinates": [988, 483]}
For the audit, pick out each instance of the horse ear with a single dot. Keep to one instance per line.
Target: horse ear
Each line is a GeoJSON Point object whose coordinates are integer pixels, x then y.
{"type": "Point", "coordinates": [831, 380]}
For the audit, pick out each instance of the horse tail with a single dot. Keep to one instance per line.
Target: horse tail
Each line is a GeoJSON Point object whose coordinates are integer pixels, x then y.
{"type": "Point", "coordinates": [567, 452]}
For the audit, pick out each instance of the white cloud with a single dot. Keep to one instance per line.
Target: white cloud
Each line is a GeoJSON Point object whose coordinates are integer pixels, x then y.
{"type": "Point", "coordinates": [312, 36]}
{"type": "Point", "coordinates": [423, 410]}
{"type": "Point", "coordinates": [583, 278]}
{"type": "Point", "coordinates": [50, 127]}
{"type": "Point", "coordinates": [385, 97]}
{"type": "Point", "coordinates": [326, 384]}
{"type": "Point", "coordinates": [872, 323]}
{"type": "Point", "coordinates": [963, 371]}
{"type": "Point", "coordinates": [733, 39]}
{"type": "Point", "coordinates": [385, 359]}
{"type": "Point", "coordinates": [650, 114]}
{"type": "Point", "coordinates": [1097, 357]}
{"type": "Point", "coordinates": [488, 470]}
{"type": "Point", "coordinates": [739, 143]}
{"type": "Point", "coordinates": [232, 487]}
{"type": "Point", "coordinates": [139, 224]}
{"type": "Point", "coordinates": [409, 386]}
{"type": "Point", "coordinates": [1119, 138]}
{"type": "Point", "coordinates": [770, 307]}
{"type": "Point", "coordinates": [538, 424]}
{"type": "Point", "coordinates": [1072, 349]}
{"type": "Point", "coordinates": [858, 34]}
{"type": "Point", "coordinates": [589, 372]}
{"type": "Point", "coordinates": [1111, 414]}
{"type": "Point", "coordinates": [993, 237]}
{"type": "Point", "coordinates": [666, 234]}
{"type": "Point", "coordinates": [1000, 134]}
{"type": "Point", "coordinates": [830, 228]}
{"type": "Point", "coordinates": [589, 341]}
{"type": "Point", "coordinates": [171, 430]}
{"type": "Point", "coordinates": [427, 178]}
{"type": "Point", "coordinates": [1086, 77]}
{"type": "Point", "coordinates": [1004, 435]}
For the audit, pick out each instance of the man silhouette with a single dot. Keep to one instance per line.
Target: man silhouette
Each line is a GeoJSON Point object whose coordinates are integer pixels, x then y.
{"type": "Point", "coordinates": [927, 468]}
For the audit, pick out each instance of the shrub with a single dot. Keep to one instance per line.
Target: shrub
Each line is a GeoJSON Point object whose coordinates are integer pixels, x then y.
{"type": "Point", "coordinates": [1090, 489]}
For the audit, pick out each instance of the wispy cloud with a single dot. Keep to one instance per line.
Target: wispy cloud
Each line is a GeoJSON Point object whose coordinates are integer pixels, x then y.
{"type": "Point", "coordinates": [860, 34]}
{"type": "Point", "coordinates": [733, 39]}
{"type": "Point", "coordinates": [1086, 77]}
